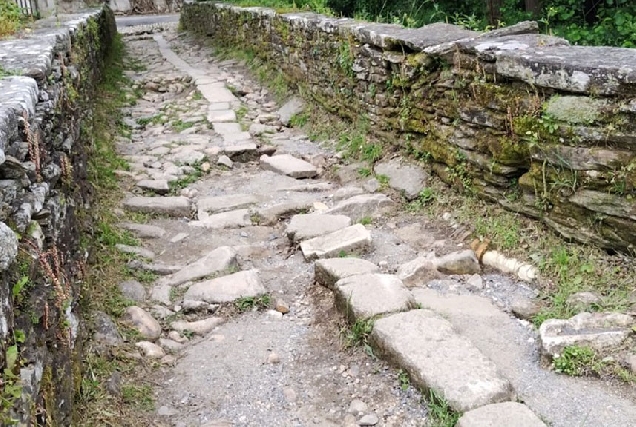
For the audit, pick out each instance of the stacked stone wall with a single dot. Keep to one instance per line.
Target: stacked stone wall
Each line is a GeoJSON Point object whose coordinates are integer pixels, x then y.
{"type": "Point", "coordinates": [48, 79]}
{"type": "Point", "coordinates": [519, 118]}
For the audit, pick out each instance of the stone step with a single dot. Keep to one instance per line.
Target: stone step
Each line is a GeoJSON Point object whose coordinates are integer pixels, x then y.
{"type": "Point", "coordinates": [364, 205]}
{"type": "Point", "coordinates": [215, 204]}
{"type": "Point", "coordinates": [355, 238]}
{"type": "Point", "coordinates": [159, 186]}
{"type": "Point", "coordinates": [227, 128]}
{"type": "Point", "coordinates": [144, 231]}
{"type": "Point", "coordinates": [221, 116]}
{"type": "Point", "coordinates": [328, 271]}
{"type": "Point", "coordinates": [243, 151]}
{"type": "Point", "coordinates": [219, 260]}
{"type": "Point", "coordinates": [500, 414]}
{"type": "Point", "coordinates": [171, 206]}
{"type": "Point", "coordinates": [273, 214]}
{"type": "Point", "coordinates": [306, 226]}
{"type": "Point", "coordinates": [136, 250]}
{"type": "Point", "coordinates": [286, 164]}
{"type": "Point", "coordinates": [439, 359]}
{"type": "Point", "coordinates": [232, 219]}
{"type": "Point", "coordinates": [365, 296]}
{"type": "Point", "coordinates": [224, 289]}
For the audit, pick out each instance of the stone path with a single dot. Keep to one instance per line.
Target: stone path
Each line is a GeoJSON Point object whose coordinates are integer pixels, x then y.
{"type": "Point", "coordinates": [230, 219]}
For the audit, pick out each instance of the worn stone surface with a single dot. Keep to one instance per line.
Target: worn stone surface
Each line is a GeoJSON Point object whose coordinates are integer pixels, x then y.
{"type": "Point", "coordinates": [328, 271]}
{"type": "Point", "coordinates": [136, 250]}
{"type": "Point", "coordinates": [306, 226]}
{"type": "Point", "coordinates": [407, 178]}
{"type": "Point", "coordinates": [368, 295]}
{"type": "Point", "coordinates": [159, 186]}
{"type": "Point", "coordinates": [417, 270]}
{"type": "Point", "coordinates": [173, 206]}
{"type": "Point", "coordinates": [289, 165]}
{"type": "Point", "coordinates": [500, 414]}
{"type": "Point", "coordinates": [216, 261]}
{"type": "Point", "coordinates": [364, 205]}
{"type": "Point", "coordinates": [272, 214]}
{"type": "Point", "coordinates": [600, 331]}
{"type": "Point", "coordinates": [133, 290]}
{"type": "Point", "coordinates": [348, 240]}
{"type": "Point", "coordinates": [437, 358]}
{"type": "Point", "coordinates": [143, 322]}
{"type": "Point", "coordinates": [199, 327]}
{"type": "Point", "coordinates": [8, 246]}
{"type": "Point", "coordinates": [150, 349]}
{"type": "Point", "coordinates": [227, 288]}
{"type": "Point", "coordinates": [208, 205]}
{"type": "Point", "coordinates": [144, 230]}
{"type": "Point", "coordinates": [464, 262]}
{"type": "Point", "coordinates": [232, 219]}
{"type": "Point", "coordinates": [292, 107]}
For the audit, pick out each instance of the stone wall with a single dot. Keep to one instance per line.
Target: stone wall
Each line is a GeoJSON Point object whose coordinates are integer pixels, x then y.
{"type": "Point", "coordinates": [47, 84]}
{"type": "Point", "coordinates": [521, 119]}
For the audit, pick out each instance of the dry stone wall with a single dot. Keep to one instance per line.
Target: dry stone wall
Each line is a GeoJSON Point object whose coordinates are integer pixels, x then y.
{"type": "Point", "coordinates": [518, 118]}
{"type": "Point", "coordinates": [47, 86]}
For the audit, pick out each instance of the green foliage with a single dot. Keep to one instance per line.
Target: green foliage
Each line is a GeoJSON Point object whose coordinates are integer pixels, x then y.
{"type": "Point", "coordinates": [576, 361]}
{"type": "Point", "coordinates": [426, 196]}
{"type": "Point", "coordinates": [358, 334]}
{"type": "Point", "coordinates": [11, 18]}
{"type": "Point", "coordinates": [440, 414]}
{"type": "Point", "coordinates": [249, 303]}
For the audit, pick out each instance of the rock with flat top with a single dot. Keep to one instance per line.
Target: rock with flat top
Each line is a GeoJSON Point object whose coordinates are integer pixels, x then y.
{"type": "Point", "coordinates": [418, 270]}
{"type": "Point", "coordinates": [227, 288]}
{"type": "Point", "coordinates": [599, 331]}
{"type": "Point", "coordinates": [500, 414]}
{"type": "Point", "coordinates": [215, 204]}
{"type": "Point", "coordinates": [463, 262]}
{"type": "Point", "coordinates": [439, 359]}
{"type": "Point", "coordinates": [199, 327]}
{"type": "Point", "coordinates": [364, 205]}
{"type": "Point", "coordinates": [292, 107]}
{"type": "Point", "coordinates": [306, 226]}
{"type": "Point", "coordinates": [171, 206]}
{"type": "Point", "coordinates": [232, 219]}
{"type": "Point", "coordinates": [144, 231]}
{"type": "Point", "coordinates": [328, 271]}
{"type": "Point", "coordinates": [143, 322]}
{"type": "Point", "coordinates": [271, 215]}
{"type": "Point", "coordinates": [135, 250]}
{"type": "Point", "coordinates": [133, 290]}
{"type": "Point", "coordinates": [286, 164]}
{"type": "Point", "coordinates": [159, 186]}
{"type": "Point", "coordinates": [219, 260]}
{"type": "Point", "coordinates": [368, 295]}
{"type": "Point", "coordinates": [151, 350]}
{"type": "Point", "coordinates": [348, 240]}
{"type": "Point", "coordinates": [407, 178]}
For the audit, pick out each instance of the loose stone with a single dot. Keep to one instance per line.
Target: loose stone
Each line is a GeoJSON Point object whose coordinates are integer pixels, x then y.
{"type": "Point", "coordinates": [143, 322]}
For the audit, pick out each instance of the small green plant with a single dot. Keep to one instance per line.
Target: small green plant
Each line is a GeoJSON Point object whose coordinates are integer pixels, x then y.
{"type": "Point", "coordinates": [196, 95]}
{"type": "Point", "coordinates": [241, 112]}
{"type": "Point", "coordinates": [403, 380]}
{"type": "Point", "coordinates": [156, 119]}
{"type": "Point", "coordinates": [299, 120]}
{"type": "Point", "coordinates": [342, 254]}
{"type": "Point", "coordinates": [366, 220]}
{"type": "Point", "coordinates": [139, 396]}
{"type": "Point", "coordinates": [179, 125]}
{"type": "Point", "coordinates": [426, 196]}
{"type": "Point", "coordinates": [440, 414]}
{"type": "Point", "coordinates": [365, 172]}
{"type": "Point", "coordinates": [249, 303]}
{"type": "Point", "coordinates": [358, 334]}
{"type": "Point", "coordinates": [383, 180]}
{"type": "Point", "coordinates": [576, 361]}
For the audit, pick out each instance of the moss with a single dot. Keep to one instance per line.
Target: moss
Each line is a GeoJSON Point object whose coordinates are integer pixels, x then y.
{"type": "Point", "coordinates": [509, 151]}
{"type": "Point", "coordinates": [575, 109]}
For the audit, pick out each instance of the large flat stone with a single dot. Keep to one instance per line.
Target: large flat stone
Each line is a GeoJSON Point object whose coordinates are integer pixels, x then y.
{"type": "Point", "coordinates": [236, 138]}
{"type": "Point", "coordinates": [600, 331]}
{"type": "Point", "coordinates": [143, 322]}
{"type": "Point", "coordinates": [215, 204]}
{"type": "Point", "coordinates": [216, 261]}
{"type": "Point", "coordinates": [227, 128]}
{"type": "Point", "coordinates": [407, 178]}
{"type": "Point", "coordinates": [272, 214]}
{"type": "Point", "coordinates": [172, 206]}
{"type": "Point", "coordinates": [368, 295]}
{"type": "Point", "coordinates": [364, 205]}
{"type": "Point", "coordinates": [227, 288]}
{"type": "Point", "coordinates": [352, 239]}
{"type": "Point", "coordinates": [328, 271]}
{"type": "Point", "coordinates": [241, 151]}
{"type": "Point", "coordinates": [144, 230]}
{"type": "Point", "coordinates": [159, 186]}
{"type": "Point", "coordinates": [439, 359]}
{"type": "Point", "coordinates": [216, 92]}
{"type": "Point", "coordinates": [306, 226]}
{"type": "Point", "coordinates": [289, 165]}
{"type": "Point", "coordinates": [232, 219]}
{"type": "Point", "coordinates": [221, 116]}
{"type": "Point", "coordinates": [292, 107]}
{"type": "Point", "coordinates": [500, 414]}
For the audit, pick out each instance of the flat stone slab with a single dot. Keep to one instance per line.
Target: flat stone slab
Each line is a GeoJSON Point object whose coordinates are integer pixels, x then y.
{"type": "Point", "coordinates": [348, 240]}
{"type": "Point", "coordinates": [227, 288]}
{"type": "Point", "coordinates": [171, 206]}
{"type": "Point", "coordinates": [271, 215]}
{"type": "Point", "coordinates": [240, 151]}
{"type": "Point", "coordinates": [306, 226]}
{"type": "Point", "coordinates": [144, 230]}
{"type": "Point", "coordinates": [216, 92]}
{"type": "Point", "coordinates": [328, 271]}
{"type": "Point", "coordinates": [364, 205]}
{"type": "Point", "coordinates": [234, 138]}
{"type": "Point", "coordinates": [292, 107]}
{"type": "Point", "coordinates": [221, 116]}
{"type": "Point", "coordinates": [232, 219]}
{"type": "Point", "coordinates": [600, 331]}
{"type": "Point", "coordinates": [135, 250]}
{"type": "Point", "coordinates": [227, 128]}
{"type": "Point", "coordinates": [439, 359]}
{"type": "Point", "coordinates": [219, 260]}
{"type": "Point", "coordinates": [368, 295]}
{"type": "Point", "coordinates": [289, 165]}
{"type": "Point", "coordinates": [159, 186]}
{"type": "Point", "coordinates": [215, 204]}
{"type": "Point", "coordinates": [407, 178]}
{"type": "Point", "coordinates": [501, 414]}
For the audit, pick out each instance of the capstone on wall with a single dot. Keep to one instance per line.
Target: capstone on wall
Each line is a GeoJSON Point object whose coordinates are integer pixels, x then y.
{"type": "Point", "coordinates": [516, 117]}
{"type": "Point", "coordinates": [47, 87]}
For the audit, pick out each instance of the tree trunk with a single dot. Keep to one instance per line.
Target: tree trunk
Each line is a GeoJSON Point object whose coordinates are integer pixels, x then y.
{"type": "Point", "coordinates": [534, 7]}
{"type": "Point", "coordinates": [494, 11]}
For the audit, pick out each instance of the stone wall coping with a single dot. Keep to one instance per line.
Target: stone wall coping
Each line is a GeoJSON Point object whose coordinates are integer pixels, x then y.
{"type": "Point", "coordinates": [518, 51]}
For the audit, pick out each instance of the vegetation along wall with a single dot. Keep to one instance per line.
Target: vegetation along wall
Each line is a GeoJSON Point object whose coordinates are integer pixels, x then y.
{"type": "Point", "coordinates": [47, 79]}
{"type": "Point", "coordinates": [518, 118]}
